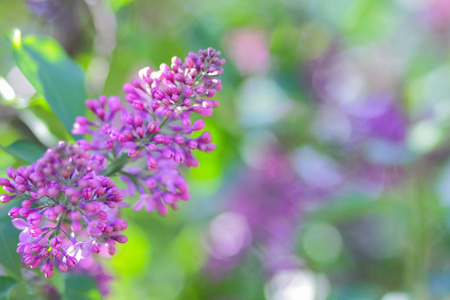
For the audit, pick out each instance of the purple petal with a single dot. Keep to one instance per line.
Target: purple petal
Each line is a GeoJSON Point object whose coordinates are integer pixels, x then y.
{"type": "Point", "coordinates": [25, 236]}
{"type": "Point", "coordinates": [150, 204]}
{"type": "Point", "coordinates": [123, 204]}
{"type": "Point", "coordinates": [20, 223]}
{"type": "Point", "coordinates": [138, 205]}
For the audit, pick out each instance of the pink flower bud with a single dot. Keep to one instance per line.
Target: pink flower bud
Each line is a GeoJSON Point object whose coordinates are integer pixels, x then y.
{"type": "Point", "coordinates": [159, 138]}
{"type": "Point", "coordinates": [4, 198]}
{"type": "Point", "coordinates": [71, 261]}
{"type": "Point", "coordinates": [199, 125]}
{"type": "Point", "coordinates": [34, 219]}
{"type": "Point", "coordinates": [63, 267]}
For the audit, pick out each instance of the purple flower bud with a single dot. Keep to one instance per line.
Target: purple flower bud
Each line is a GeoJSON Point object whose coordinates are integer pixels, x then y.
{"type": "Point", "coordinates": [52, 191]}
{"type": "Point", "coordinates": [199, 125]}
{"type": "Point", "coordinates": [114, 104]}
{"type": "Point", "coordinates": [151, 162]}
{"type": "Point", "coordinates": [71, 261]}
{"type": "Point", "coordinates": [168, 198]}
{"type": "Point", "coordinates": [35, 231]}
{"type": "Point", "coordinates": [211, 93]}
{"type": "Point", "coordinates": [138, 105]}
{"type": "Point", "coordinates": [155, 105]}
{"type": "Point", "coordinates": [56, 252]}
{"type": "Point", "coordinates": [4, 198]}
{"type": "Point", "coordinates": [128, 88]}
{"type": "Point", "coordinates": [200, 90]}
{"type": "Point", "coordinates": [129, 119]}
{"type": "Point", "coordinates": [4, 182]}
{"type": "Point", "coordinates": [153, 127]}
{"type": "Point", "coordinates": [63, 267]}
{"type": "Point", "coordinates": [197, 108]}
{"type": "Point", "coordinates": [189, 81]}
{"type": "Point", "coordinates": [29, 260]}
{"type": "Point", "coordinates": [35, 247]}
{"type": "Point", "coordinates": [138, 121]}
{"type": "Point", "coordinates": [132, 152]}
{"type": "Point", "coordinates": [87, 193]}
{"type": "Point", "coordinates": [159, 138]}
{"type": "Point", "coordinates": [167, 153]}
{"type": "Point", "coordinates": [179, 158]}
{"type": "Point", "coordinates": [188, 91]}
{"type": "Point", "coordinates": [192, 144]}
{"type": "Point", "coordinates": [168, 139]}
{"type": "Point", "coordinates": [96, 248]}
{"type": "Point", "coordinates": [140, 131]}
{"type": "Point", "coordinates": [179, 139]}
{"type": "Point", "coordinates": [24, 212]}
{"type": "Point", "coordinates": [55, 241]}
{"type": "Point", "coordinates": [34, 219]}
{"type": "Point", "coordinates": [85, 145]}
{"type": "Point", "coordinates": [206, 112]}
{"type": "Point", "coordinates": [187, 102]}
{"type": "Point", "coordinates": [179, 77]}
{"type": "Point", "coordinates": [186, 122]}
{"type": "Point", "coordinates": [120, 238]}
{"type": "Point", "coordinates": [168, 112]}
{"type": "Point", "coordinates": [14, 212]}
{"type": "Point", "coordinates": [210, 148]}
{"type": "Point", "coordinates": [159, 95]}
{"type": "Point", "coordinates": [11, 172]}
{"type": "Point", "coordinates": [27, 203]}
{"type": "Point", "coordinates": [102, 215]}
{"type": "Point", "coordinates": [76, 226]}
{"type": "Point", "coordinates": [50, 214]}
{"type": "Point", "coordinates": [126, 136]}
{"type": "Point", "coordinates": [150, 183]}
{"type": "Point", "coordinates": [108, 229]}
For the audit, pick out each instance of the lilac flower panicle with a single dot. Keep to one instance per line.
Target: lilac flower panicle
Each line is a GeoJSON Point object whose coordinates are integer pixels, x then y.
{"type": "Point", "coordinates": [66, 211]}
{"type": "Point", "coordinates": [156, 127]}
{"type": "Point", "coordinates": [66, 204]}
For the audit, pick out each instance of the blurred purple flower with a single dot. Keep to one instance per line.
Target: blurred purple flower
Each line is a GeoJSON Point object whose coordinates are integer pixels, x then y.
{"type": "Point", "coordinates": [264, 213]}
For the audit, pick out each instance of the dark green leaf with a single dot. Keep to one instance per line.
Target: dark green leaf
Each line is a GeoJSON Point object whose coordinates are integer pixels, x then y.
{"type": "Point", "coordinates": [25, 150]}
{"type": "Point", "coordinates": [53, 74]}
{"type": "Point", "coordinates": [9, 237]}
{"type": "Point", "coordinates": [80, 287]}
{"type": "Point", "coordinates": [6, 285]}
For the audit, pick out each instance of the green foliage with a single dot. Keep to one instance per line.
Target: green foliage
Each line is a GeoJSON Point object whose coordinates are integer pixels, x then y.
{"type": "Point", "coordinates": [80, 287]}
{"type": "Point", "coordinates": [26, 151]}
{"type": "Point", "coordinates": [9, 237]}
{"type": "Point", "coordinates": [53, 74]}
{"type": "Point", "coordinates": [6, 285]}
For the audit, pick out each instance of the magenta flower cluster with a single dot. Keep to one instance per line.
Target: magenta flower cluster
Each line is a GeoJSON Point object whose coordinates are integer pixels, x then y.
{"type": "Point", "coordinates": [156, 127]}
{"type": "Point", "coordinates": [66, 209]}
{"type": "Point", "coordinates": [66, 203]}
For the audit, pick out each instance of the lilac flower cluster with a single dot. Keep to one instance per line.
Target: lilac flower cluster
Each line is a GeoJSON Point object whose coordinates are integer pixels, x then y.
{"type": "Point", "coordinates": [263, 211]}
{"type": "Point", "coordinates": [67, 205]}
{"type": "Point", "coordinates": [156, 127]}
{"type": "Point", "coordinates": [66, 212]}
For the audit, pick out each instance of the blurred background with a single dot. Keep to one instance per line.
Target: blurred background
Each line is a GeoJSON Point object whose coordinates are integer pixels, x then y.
{"type": "Point", "coordinates": [331, 178]}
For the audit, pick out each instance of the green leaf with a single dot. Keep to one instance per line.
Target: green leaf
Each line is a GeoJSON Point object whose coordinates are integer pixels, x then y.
{"type": "Point", "coordinates": [80, 287]}
{"type": "Point", "coordinates": [118, 4]}
{"type": "Point", "coordinates": [9, 237]}
{"type": "Point", "coordinates": [26, 151]}
{"type": "Point", "coordinates": [6, 285]}
{"type": "Point", "coordinates": [53, 74]}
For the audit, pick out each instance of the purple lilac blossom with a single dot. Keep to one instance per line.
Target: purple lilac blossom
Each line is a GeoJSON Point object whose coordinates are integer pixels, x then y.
{"type": "Point", "coordinates": [264, 212]}
{"type": "Point", "coordinates": [66, 210]}
{"type": "Point", "coordinates": [155, 129]}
